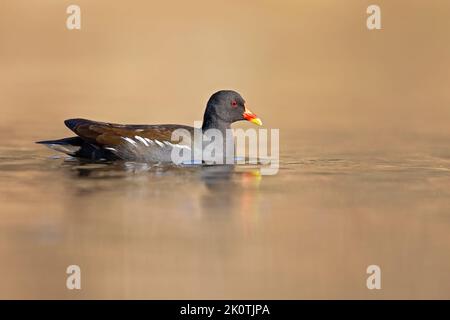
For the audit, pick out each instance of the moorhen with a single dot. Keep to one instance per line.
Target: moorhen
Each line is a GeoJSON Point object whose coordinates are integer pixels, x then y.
{"type": "Point", "coordinates": [108, 141]}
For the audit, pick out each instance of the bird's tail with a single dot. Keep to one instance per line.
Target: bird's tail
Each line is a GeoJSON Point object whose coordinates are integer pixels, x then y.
{"type": "Point", "coordinates": [68, 146]}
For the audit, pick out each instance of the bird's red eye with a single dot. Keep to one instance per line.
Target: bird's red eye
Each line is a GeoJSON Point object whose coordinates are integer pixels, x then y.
{"type": "Point", "coordinates": [233, 104]}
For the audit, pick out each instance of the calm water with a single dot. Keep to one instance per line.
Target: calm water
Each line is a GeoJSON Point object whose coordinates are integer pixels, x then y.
{"type": "Point", "coordinates": [336, 206]}
{"type": "Point", "coordinates": [365, 167]}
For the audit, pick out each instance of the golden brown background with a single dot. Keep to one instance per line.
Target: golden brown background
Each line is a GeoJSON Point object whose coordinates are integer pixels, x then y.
{"type": "Point", "coordinates": [299, 64]}
{"type": "Point", "coordinates": [364, 118]}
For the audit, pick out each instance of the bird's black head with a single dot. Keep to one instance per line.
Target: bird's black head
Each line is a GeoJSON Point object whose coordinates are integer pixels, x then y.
{"type": "Point", "coordinates": [225, 107]}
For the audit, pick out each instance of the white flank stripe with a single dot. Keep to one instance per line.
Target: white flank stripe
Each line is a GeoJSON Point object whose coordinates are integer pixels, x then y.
{"type": "Point", "coordinates": [141, 140]}
{"type": "Point", "coordinates": [130, 140]}
{"type": "Point", "coordinates": [159, 143]}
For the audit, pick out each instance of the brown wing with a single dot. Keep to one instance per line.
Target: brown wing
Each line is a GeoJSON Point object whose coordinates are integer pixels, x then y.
{"type": "Point", "coordinates": [110, 134]}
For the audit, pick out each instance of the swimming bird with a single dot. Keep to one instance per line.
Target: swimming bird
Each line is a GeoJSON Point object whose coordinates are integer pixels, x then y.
{"type": "Point", "coordinates": [149, 143]}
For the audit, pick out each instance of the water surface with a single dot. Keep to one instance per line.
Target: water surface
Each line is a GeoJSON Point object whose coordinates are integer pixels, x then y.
{"type": "Point", "coordinates": [158, 231]}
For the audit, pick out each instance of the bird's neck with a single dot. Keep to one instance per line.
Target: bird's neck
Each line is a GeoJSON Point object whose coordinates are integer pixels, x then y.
{"type": "Point", "coordinates": [214, 122]}
{"type": "Point", "coordinates": [225, 151]}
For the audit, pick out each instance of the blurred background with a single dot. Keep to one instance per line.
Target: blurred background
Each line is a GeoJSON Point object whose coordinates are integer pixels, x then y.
{"type": "Point", "coordinates": [304, 65]}
{"type": "Point", "coordinates": [364, 125]}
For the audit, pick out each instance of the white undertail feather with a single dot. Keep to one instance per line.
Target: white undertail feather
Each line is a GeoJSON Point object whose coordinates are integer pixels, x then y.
{"type": "Point", "coordinates": [64, 148]}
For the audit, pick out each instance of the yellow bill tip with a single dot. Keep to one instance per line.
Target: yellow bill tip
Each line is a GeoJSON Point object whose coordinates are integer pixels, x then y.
{"type": "Point", "coordinates": [256, 121]}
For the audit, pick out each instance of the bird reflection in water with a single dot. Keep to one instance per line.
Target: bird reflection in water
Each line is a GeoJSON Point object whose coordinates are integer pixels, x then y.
{"type": "Point", "coordinates": [228, 189]}
{"type": "Point", "coordinates": [232, 190]}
